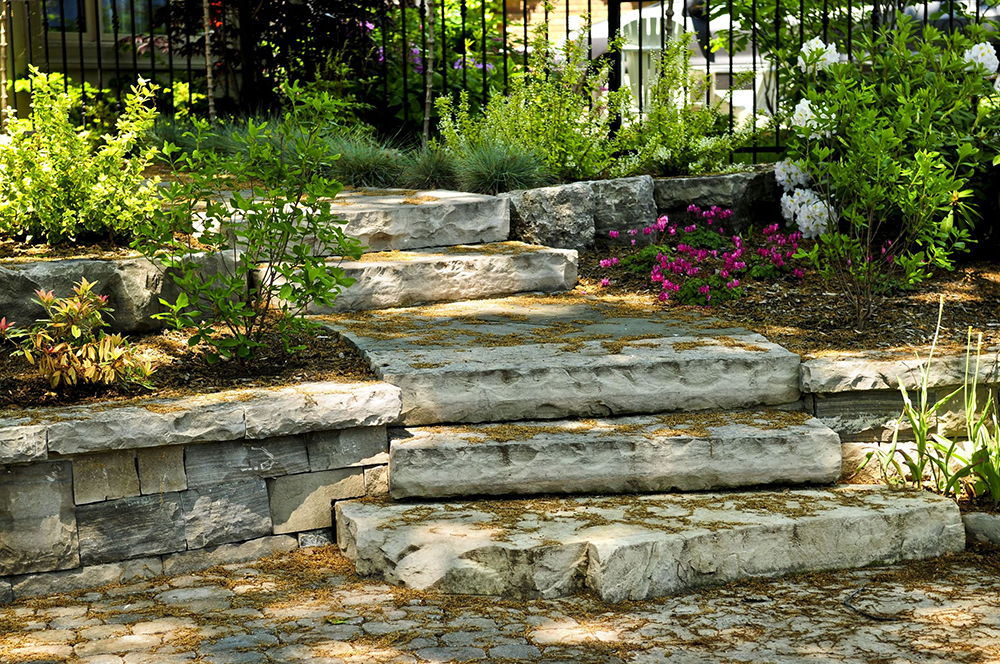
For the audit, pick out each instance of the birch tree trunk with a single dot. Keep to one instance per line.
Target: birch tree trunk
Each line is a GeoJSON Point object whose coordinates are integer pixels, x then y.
{"type": "Point", "coordinates": [429, 73]}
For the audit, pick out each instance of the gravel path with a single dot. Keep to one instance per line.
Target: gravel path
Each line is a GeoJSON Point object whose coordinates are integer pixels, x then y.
{"type": "Point", "coordinates": [307, 606]}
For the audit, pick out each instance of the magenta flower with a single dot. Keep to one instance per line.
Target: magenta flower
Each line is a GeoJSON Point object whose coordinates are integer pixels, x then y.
{"type": "Point", "coordinates": [613, 234]}
{"type": "Point", "coordinates": [605, 282]}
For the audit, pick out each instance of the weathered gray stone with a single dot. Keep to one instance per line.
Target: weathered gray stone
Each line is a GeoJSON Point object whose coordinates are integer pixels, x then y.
{"type": "Point", "coordinates": [21, 441]}
{"type": "Point", "coordinates": [161, 469]}
{"type": "Point", "coordinates": [193, 561]}
{"type": "Point", "coordinates": [377, 481]}
{"type": "Point", "coordinates": [304, 502]}
{"type": "Point", "coordinates": [131, 528]}
{"type": "Point", "coordinates": [754, 196]}
{"type": "Point", "coordinates": [321, 407]}
{"type": "Point", "coordinates": [214, 463]}
{"type": "Point", "coordinates": [347, 447]}
{"type": "Point", "coordinates": [623, 203]}
{"type": "Point", "coordinates": [429, 219]}
{"type": "Point", "coordinates": [881, 371]}
{"type": "Point", "coordinates": [233, 511]}
{"type": "Point", "coordinates": [158, 423]}
{"type": "Point", "coordinates": [624, 455]}
{"type": "Point", "coordinates": [864, 416]}
{"type": "Point", "coordinates": [38, 525]}
{"type": "Point", "coordinates": [83, 578]}
{"type": "Point", "coordinates": [105, 476]}
{"type": "Point", "coordinates": [982, 527]}
{"type": "Point", "coordinates": [643, 546]}
{"type": "Point", "coordinates": [6, 593]}
{"type": "Point", "coordinates": [561, 216]}
{"type": "Point", "coordinates": [457, 273]}
{"type": "Point", "coordinates": [134, 287]}
{"type": "Point", "coordinates": [321, 537]}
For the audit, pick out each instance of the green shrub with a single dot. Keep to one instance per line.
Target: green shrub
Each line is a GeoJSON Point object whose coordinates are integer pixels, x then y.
{"type": "Point", "coordinates": [279, 237]}
{"type": "Point", "coordinates": [680, 134]}
{"type": "Point", "coordinates": [558, 109]}
{"type": "Point", "coordinates": [432, 168]}
{"type": "Point", "coordinates": [55, 186]}
{"type": "Point", "coordinates": [69, 348]}
{"type": "Point", "coordinates": [496, 168]}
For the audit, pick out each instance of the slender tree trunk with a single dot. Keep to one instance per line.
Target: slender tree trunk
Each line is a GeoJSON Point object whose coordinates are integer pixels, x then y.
{"type": "Point", "coordinates": [209, 83]}
{"type": "Point", "coordinates": [429, 73]}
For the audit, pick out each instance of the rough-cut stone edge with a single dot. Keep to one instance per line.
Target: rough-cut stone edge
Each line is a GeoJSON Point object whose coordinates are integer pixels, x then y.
{"type": "Point", "coordinates": [982, 527]}
{"type": "Point", "coordinates": [22, 443]}
{"type": "Point", "coordinates": [871, 372]}
{"type": "Point", "coordinates": [89, 576]}
{"type": "Point", "coordinates": [231, 415]}
{"type": "Point", "coordinates": [201, 559]}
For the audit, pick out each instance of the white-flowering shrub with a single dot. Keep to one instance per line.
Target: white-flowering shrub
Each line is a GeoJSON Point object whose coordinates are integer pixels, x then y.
{"type": "Point", "coordinates": [984, 55]}
{"type": "Point", "coordinates": [807, 211]}
{"type": "Point", "coordinates": [790, 175]}
{"type": "Point", "coordinates": [817, 56]}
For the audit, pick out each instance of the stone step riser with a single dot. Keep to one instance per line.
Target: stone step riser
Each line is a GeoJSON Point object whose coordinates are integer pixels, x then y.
{"type": "Point", "coordinates": [641, 547]}
{"type": "Point", "coordinates": [609, 457]}
{"type": "Point", "coordinates": [422, 277]}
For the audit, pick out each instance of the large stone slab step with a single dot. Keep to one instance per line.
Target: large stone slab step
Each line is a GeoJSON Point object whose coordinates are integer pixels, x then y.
{"type": "Point", "coordinates": [569, 355]}
{"type": "Point", "coordinates": [686, 452]}
{"type": "Point", "coordinates": [465, 272]}
{"type": "Point", "coordinates": [637, 547]}
{"type": "Point", "coordinates": [386, 219]}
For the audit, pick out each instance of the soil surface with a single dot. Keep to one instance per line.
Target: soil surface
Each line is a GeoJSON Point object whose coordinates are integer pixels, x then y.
{"type": "Point", "coordinates": [308, 606]}
{"type": "Point", "coordinates": [808, 317]}
{"type": "Point", "coordinates": [182, 371]}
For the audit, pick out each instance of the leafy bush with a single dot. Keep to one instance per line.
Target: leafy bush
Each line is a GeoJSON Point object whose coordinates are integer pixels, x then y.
{"type": "Point", "coordinates": [432, 168]}
{"type": "Point", "coordinates": [55, 186]}
{"type": "Point", "coordinates": [279, 237]}
{"type": "Point", "coordinates": [680, 134]}
{"type": "Point", "coordinates": [892, 143]}
{"type": "Point", "coordinates": [69, 348]}
{"type": "Point", "coordinates": [558, 109]}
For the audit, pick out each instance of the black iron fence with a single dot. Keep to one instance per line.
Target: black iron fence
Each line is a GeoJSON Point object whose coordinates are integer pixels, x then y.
{"type": "Point", "coordinates": [380, 51]}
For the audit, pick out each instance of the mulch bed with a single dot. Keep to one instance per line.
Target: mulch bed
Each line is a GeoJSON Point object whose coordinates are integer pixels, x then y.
{"type": "Point", "coordinates": [809, 318]}
{"type": "Point", "coordinates": [182, 371]}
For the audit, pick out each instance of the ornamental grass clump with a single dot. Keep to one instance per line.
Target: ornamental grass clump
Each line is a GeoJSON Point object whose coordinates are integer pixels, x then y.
{"type": "Point", "coordinates": [69, 348]}
{"type": "Point", "coordinates": [698, 263]}
{"type": "Point", "coordinates": [55, 186]}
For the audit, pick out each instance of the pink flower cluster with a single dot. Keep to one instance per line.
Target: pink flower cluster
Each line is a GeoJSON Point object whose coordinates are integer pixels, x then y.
{"type": "Point", "coordinates": [780, 247]}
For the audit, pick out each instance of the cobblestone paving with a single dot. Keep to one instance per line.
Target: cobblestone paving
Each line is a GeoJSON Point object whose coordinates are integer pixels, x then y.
{"type": "Point", "coordinates": [307, 607]}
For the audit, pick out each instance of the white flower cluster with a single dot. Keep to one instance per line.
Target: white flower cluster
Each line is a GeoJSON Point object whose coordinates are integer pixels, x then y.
{"type": "Point", "coordinates": [815, 48]}
{"type": "Point", "coordinates": [790, 175]}
{"type": "Point", "coordinates": [985, 55]}
{"type": "Point", "coordinates": [804, 119]}
{"type": "Point", "coordinates": [811, 215]}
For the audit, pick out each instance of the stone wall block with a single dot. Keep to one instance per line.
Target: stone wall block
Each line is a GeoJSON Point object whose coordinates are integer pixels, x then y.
{"type": "Point", "coordinates": [131, 528]}
{"type": "Point", "coordinates": [377, 481]}
{"type": "Point", "coordinates": [865, 416]}
{"type": "Point", "coordinates": [21, 442]}
{"type": "Point", "coordinates": [161, 469]}
{"type": "Point", "coordinates": [38, 521]}
{"type": "Point", "coordinates": [215, 463]}
{"type": "Point", "coordinates": [223, 513]}
{"type": "Point", "coordinates": [199, 559]}
{"type": "Point", "coordinates": [90, 576]}
{"type": "Point", "coordinates": [622, 204]}
{"type": "Point", "coordinates": [106, 476]}
{"type": "Point", "coordinates": [321, 407]}
{"type": "Point", "coordinates": [753, 196]}
{"type": "Point", "coordinates": [305, 502]}
{"type": "Point", "coordinates": [561, 217]}
{"type": "Point", "coordinates": [348, 447]}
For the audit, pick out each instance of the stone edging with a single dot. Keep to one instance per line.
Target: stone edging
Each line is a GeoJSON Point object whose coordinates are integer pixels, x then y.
{"type": "Point", "coordinates": [872, 371]}
{"type": "Point", "coordinates": [232, 415]}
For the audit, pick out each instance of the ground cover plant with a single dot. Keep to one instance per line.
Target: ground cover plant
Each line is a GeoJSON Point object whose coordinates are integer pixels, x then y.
{"type": "Point", "coordinates": [696, 262]}
{"type": "Point", "coordinates": [55, 186]}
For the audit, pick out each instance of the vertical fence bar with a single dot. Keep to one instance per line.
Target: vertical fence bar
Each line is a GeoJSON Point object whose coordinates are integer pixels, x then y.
{"type": "Point", "coordinates": [732, 114]}
{"type": "Point", "coordinates": [100, 56]}
{"type": "Point", "coordinates": [81, 25]}
{"type": "Point", "coordinates": [12, 76]}
{"type": "Point", "coordinates": [423, 45]}
{"type": "Point", "coordinates": [190, 69]}
{"type": "Point", "coordinates": [170, 57]}
{"type": "Point", "coordinates": [115, 28]}
{"type": "Point", "coordinates": [31, 53]}
{"type": "Point", "coordinates": [826, 20]}
{"type": "Point", "coordinates": [525, 17]}
{"type": "Point", "coordinates": [777, 72]}
{"type": "Point", "coordinates": [503, 27]}
{"type": "Point", "coordinates": [444, 50]}
{"type": "Point", "coordinates": [753, 68]}
{"type": "Point", "coordinates": [802, 23]}
{"type": "Point", "coordinates": [708, 53]}
{"type": "Point", "coordinates": [405, 62]}
{"type": "Point", "coordinates": [567, 19]}
{"type": "Point", "coordinates": [384, 16]}
{"type": "Point", "coordinates": [62, 38]}
{"type": "Point", "coordinates": [640, 57]}
{"type": "Point", "coordinates": [951, 16]}
{"type": "Point", "coordinates": [590, 31]}
{"type": "Point", "coordinates": [850, 29]}
{"type": "Point", "coordinates": [484, 64]}
{"type": "Point", "coordinates": [135, 50]}
{"type": "Point", "coordinates": [152, 44]}
{"type": "Point", "coordinates": [45, 35]}
{"type": "Point", "coordinates": [465, 53]}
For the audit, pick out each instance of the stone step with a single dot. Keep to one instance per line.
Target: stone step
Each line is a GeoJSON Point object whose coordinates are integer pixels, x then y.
{"type": "Point", "coordinates": [387, 219]}
{"type": "Point", "coordinates": [638, 547]}
{"type": "Point", "coordinates": [464, 272]}
{"type": "Point", "coordinates": [686, 452]}
{"type": "Point", "coordinates": [569, 355]}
